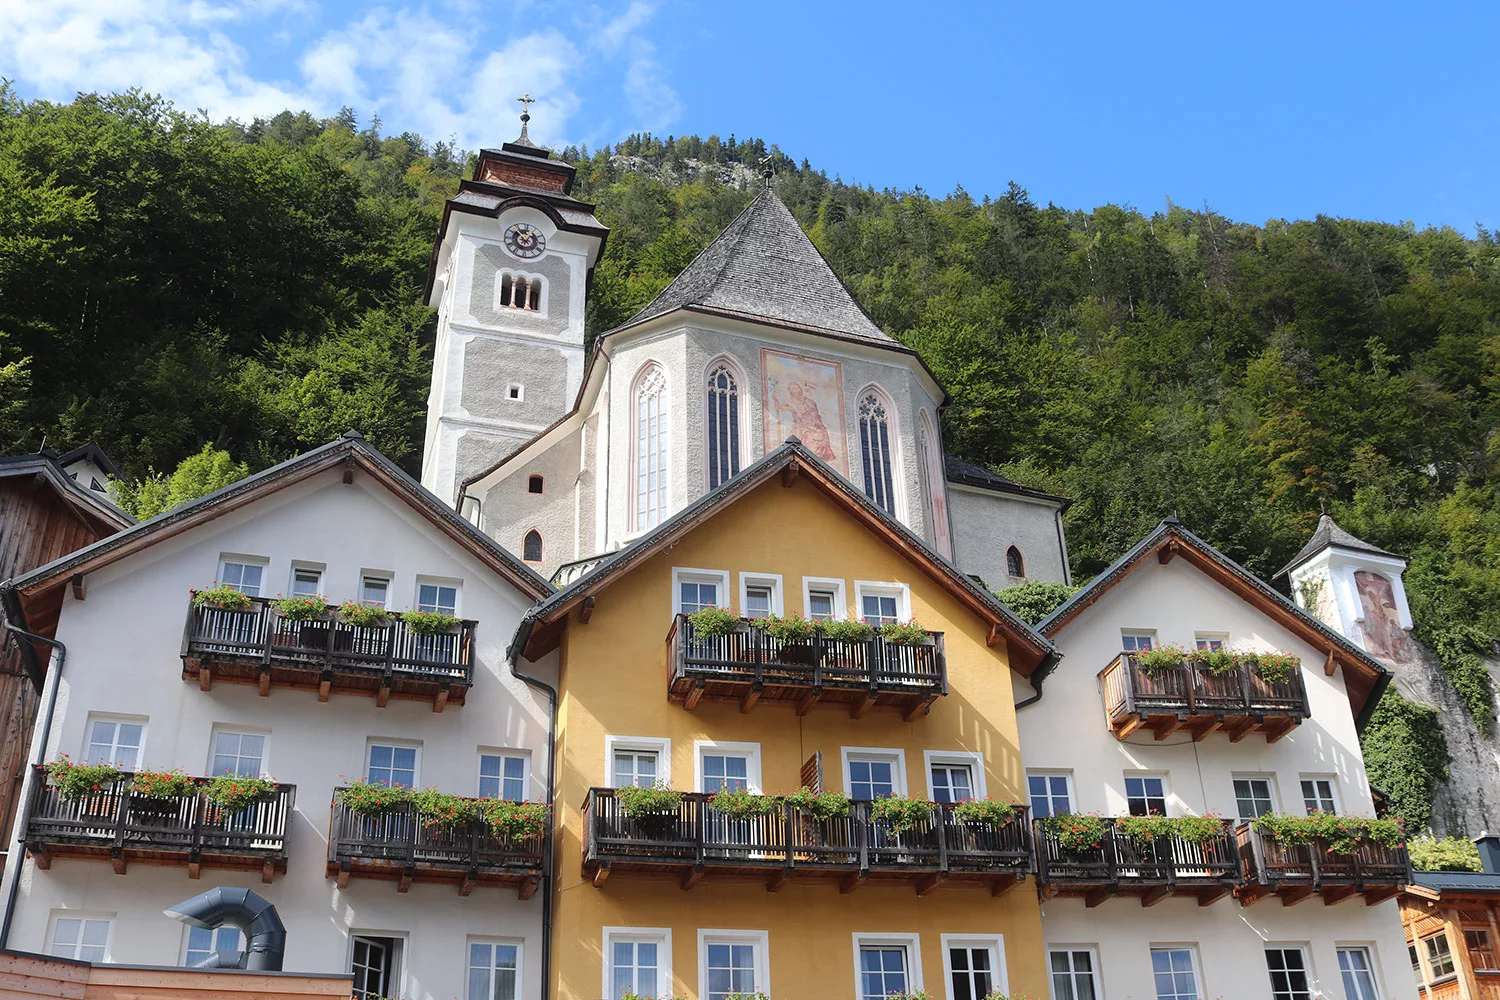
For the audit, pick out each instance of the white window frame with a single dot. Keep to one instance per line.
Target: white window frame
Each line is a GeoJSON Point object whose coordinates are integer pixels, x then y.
{"type": "Point", "coordinates": [972, 759]}
{"type": "Point", "coordinates": [225, 558]}
{"type": "Point", "coordinates": [144, 721]}
{"type": "Point", "coordinates": [660, 936]}
{"type": "Point", "coordinates": [1368, 947]}
{"type": "Point", "coordinates": [1187, 946]}
{"type": "Point", "coordinates": [836, 585]}
{"type": "Point", "coordinates": [231, 729]}
{"type": "Point", "coordinates": [639, 744]}
{"type": "Point", "coordinates": [1333, 787]}
{"type": "Point", "coordinates": [439, 581]}
{"type": "Point", "coordinates": [377, 574]}
{"type": "Point", "coordinates": [1268, 777]}
{"type": "Point", "coordinates": [523, 755]}
{"type": "Point", "coordinates": [996, 944]}
{"type": "Point", "coordinates": [1166, 788]}
{"type": "Point", "coordinates": [760, 939]}
{"type": "Point", "coordinates": [1301, 947]}
{"type": "Point", "coordinates": [1222, 638]}
{"type": "Point", "coordinates": [1148, 633]}
{"type": "Point", "coordinates": [65, 914]}
{"type": "Point", "coordinates": [301, 566]}
{"type": "Point", "coordinates": [187, 933]}
{"type": "Point", "coordinates": [883, 588]}
{"type": "Point", "coordinates": [894, 754]}
{"type": "Point", "coordinates": [752, 764]}
{"type": "Point", "coordinates": [517, 388]}
{"type": "Point", "coordinates": [690, 574]}
{"type": "Point", "coordinates": [772, 580]}
{"type": "Point", "coordinates": [912, 943]}
{"type": "Point", "coordinates": [1092, 949]}
{"type": "Point", "coordinates": [1043, 772]}
{"type": "Point", "coordinates": [384, 741]}
{"type": "Point", "coordinates": [397, 984]}
{"type": "Point", "coordinates": [518, 943]}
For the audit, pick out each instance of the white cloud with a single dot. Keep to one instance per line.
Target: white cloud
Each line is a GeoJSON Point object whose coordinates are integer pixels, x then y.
{"type": "Point", "coordinates": [419, 72]}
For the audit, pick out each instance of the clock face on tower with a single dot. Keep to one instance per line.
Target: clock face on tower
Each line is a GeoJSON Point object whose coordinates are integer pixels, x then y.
{"type": "Point", "coordinates": [525, 241]}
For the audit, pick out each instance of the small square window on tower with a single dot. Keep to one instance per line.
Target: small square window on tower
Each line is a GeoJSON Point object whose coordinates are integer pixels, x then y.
{"type": "Point", "coordinates": [515, 391]}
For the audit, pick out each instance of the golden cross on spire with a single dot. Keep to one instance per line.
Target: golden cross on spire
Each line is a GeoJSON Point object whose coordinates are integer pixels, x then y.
{"type": "Point", "coordinates": [526, 101]}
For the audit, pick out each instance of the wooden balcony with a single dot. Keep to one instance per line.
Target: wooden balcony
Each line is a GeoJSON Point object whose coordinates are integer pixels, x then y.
{"type": "Point", "coordinates": [1193, 699]}
{"type": "Point", "coordinates": [189, 831]}
{"type": "Point", "coordinates": [1150, 871]}
{"type": "Point", "coordinates": [390, 661]}
{"type": "Point", "coordinates": [696, 844]}
{"type": "Point", "coordinates": [1295, 873]}
{"type": "Point", "coordinates": [749, 666]}
{"type": "Point", "coordinates": [396, 847]}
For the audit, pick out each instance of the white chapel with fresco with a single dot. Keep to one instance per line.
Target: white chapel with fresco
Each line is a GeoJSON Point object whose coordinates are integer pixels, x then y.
{"type": "Point", "coordinates": [563, 456]}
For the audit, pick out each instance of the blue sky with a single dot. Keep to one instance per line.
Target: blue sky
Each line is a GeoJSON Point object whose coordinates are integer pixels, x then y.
{"type": "Point", "coordinates": [1261, 110]}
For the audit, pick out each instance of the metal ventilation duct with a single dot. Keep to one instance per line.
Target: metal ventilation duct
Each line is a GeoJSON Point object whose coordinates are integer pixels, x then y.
{"type": "Point", "coordinates": [265, 935]}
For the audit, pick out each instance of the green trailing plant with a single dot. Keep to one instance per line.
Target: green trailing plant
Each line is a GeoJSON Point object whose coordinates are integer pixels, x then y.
{"type": "Point", "coordinates": [846, 630]}
{"type": "Point", "coordinates": [370, 799]}
{"type": "Point", "coordinates": [1216, 661]}
{"type": "Point", "coordinates": [234, 792]}
{"type": "Point", "coordinates": [1274, 668]}
{"type": "Point", "coordinates": [301, 607]}
{"type": "Point", "coordinates": [710, 623]}
{"type": "Point", "coordinates": [1160, 659]}
{"type": "Point", "coordinates": [650, 800]}
{"type": "Point", "coordinates": [1198, 830]}
{"type": "Point", "coordinates": [907, 633]}
{"type": "Point", "coordinates": [985, 811]}
{"type": "Point", "coordinates": [900, 813]}
{"type": "Point", "coordinates": [1449, 854]}
{"type": "Point", "coordinates": [787, 628]}
{"type": "Point", "coordinates": [1406, 755]}
{"type": "Point", "coordinates": [1337, 834]}
{"type": "Point", "coordinates": [76, 781]}
{"type": "Point", "coordinates": [743, 804]}
{"type": "Point", "coordinates": [515, 820]}
{"type": "Point", "coordinates": [429, 622]}
{"type": "Point", "coordinates": [362, 615]}
{"type": "Point", "coordinates": [165, 785]}
{"type": "Point", "coordinates": [1076, 831]}
{"type": "Point", "coordinates": [1144, 829]}
{"type": "Point", "coordinates": [222, 596]}
{"type": "Point", "coordinates": [822, 806]}
{"type": "Point", "coordinates": [435, 808]}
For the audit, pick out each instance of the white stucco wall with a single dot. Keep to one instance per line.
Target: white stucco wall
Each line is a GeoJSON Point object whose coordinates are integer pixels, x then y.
{"type": "Point", "coordinates": [986, 523]}
{"type": "Point", "coordinates": [1177, 600]}
{"type": "Point", "coordinates": [123, 658]}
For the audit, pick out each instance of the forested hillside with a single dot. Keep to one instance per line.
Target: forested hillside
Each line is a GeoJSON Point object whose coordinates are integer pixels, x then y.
{"type": "Point", "coordinates": [167, 282]}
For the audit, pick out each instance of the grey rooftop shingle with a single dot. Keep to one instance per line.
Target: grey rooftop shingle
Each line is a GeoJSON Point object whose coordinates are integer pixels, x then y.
{"type": "Point", "coordinates": [1329, 534]}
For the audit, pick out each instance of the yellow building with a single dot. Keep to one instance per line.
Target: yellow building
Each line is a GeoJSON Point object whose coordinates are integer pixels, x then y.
{"type": "Point", "coordinates": [695, 903]}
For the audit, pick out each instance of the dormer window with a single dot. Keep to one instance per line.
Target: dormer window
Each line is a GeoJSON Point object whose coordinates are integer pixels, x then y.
{"type": "Point", "coordinates": [520, 291]}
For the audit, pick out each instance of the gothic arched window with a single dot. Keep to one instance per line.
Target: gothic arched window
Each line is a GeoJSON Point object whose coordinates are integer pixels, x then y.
{"type": "Point", "coordinates": [1014, 564]}
{"type": "Point", "coordinates": [723, 425]}
{"type": "Point", "coordinates": [531, 546]}
{"type": "Point", "coordinates": [875, 451]}
{"type": "Point", "coordinates": [650, 415]}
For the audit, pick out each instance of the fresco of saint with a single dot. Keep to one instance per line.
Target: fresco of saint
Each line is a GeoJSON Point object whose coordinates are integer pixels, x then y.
{"type": "Point", "coordinates": [803, 397]}
{"type": "Point", "coordinates": [1384, 636]}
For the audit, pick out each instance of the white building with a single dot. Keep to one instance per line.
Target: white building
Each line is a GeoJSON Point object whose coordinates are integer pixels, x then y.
{"type": "Point", "coordinates": [564, 459]}
{"type": "Point", "coordinates": [1232, 746]}
{"type": "Point", "coordinates": [314, 705]}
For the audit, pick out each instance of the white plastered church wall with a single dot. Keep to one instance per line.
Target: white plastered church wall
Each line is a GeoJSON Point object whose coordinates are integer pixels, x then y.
{"type": "Point", "coordinates": [986, 523]}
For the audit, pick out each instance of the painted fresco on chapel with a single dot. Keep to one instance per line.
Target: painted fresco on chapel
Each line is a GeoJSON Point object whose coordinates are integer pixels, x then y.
{"type": "Point", "coordinates": [804, 397]}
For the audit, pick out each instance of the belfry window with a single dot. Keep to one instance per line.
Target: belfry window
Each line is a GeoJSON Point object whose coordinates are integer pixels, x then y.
{"type": "Point", "coordinates": [723, 425]}
{"type": "Point", "coordinates": [520, 291]}
{"type": "Point", "coordinates": [875, 452]}
{"type": "Point", "coordinates": [650, 448]}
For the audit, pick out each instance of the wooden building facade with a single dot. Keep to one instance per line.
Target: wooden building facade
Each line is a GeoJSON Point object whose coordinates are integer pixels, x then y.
{"type": "Point", "coordinates": [1452, 925]}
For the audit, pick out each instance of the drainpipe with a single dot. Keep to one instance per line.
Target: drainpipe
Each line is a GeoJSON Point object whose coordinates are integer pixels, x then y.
{"type": "Point", "coordinates": [551, 694]}
{"type": "Point", "coordinates": [1048, 664]}
{"type": "Point", "coordinates": [54, 679]}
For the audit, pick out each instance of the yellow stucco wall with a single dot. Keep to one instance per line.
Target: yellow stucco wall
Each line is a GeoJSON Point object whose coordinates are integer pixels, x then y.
{"type": "Point", "coordinates": [614, 681]}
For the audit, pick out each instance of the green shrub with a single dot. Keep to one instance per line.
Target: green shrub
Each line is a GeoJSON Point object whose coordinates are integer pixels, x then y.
{"type": "Point", "coordinates": [233, 792]}
{"type": "Point", "coordinates": [900, 814]}
{"type": "Point", "coordinates": [222, 596]}
{"type": "Point", "coordinates": [710, 623]}
{"type": "Point", "coordinates": [1032, 602]}
{"type": "Point", "coordinates": [1450, 854]}
{"type": "Point", "coordinates": [77, 781]}
{"type": "Point", "coordinates": [1406, 756]}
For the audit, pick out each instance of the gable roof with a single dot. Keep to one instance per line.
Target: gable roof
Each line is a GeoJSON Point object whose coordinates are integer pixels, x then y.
{"type": "Point", "coordinates": [1364, 678]}
{"type": "Point", "coordinates": [1457, 883]}
{"type": "Point", "coordinates": [541, 627]}
{"type": "Point", "coordinates": [86, 503]}
{"type": "Point", "coordinates": [956, 470]}
{"type": "Point", "coordinates": [762, 268]}
{"type": "Point", "coordinates": [1328, 535]}
{"type": "Point", "coordinates": [35, 599]}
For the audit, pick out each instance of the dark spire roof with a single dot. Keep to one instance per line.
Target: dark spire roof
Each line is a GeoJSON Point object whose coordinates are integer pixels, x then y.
{"type": "Point", "coordinates": [1329, 534]}
{"type": "Point", "coordinates": [763, 267]}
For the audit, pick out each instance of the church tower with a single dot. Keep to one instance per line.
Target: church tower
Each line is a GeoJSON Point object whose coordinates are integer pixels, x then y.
{"type": "Point", "coordinates": [1355, 588]}
{"type": "Point", "coordinates": [508, 276]}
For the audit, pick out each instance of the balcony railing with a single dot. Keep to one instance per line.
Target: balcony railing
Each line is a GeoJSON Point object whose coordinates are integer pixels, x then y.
{"type": "Point", "coordinates": [1192, 698]}
{"type": "Point", "coordinates": [750, 666]}
{"type": "Point", "coordinates": [261, 647]}
{"type": "Point", "coordinates": [696, 842]}
{"type": "Point", "coordinates": [1293, 873]}
{"type": "Point", "coordinates": [1151, 870]}
{"type": "Point", "coordinates": [397, 847]}
{"type": "Point", "coordinates": [190, 830]}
